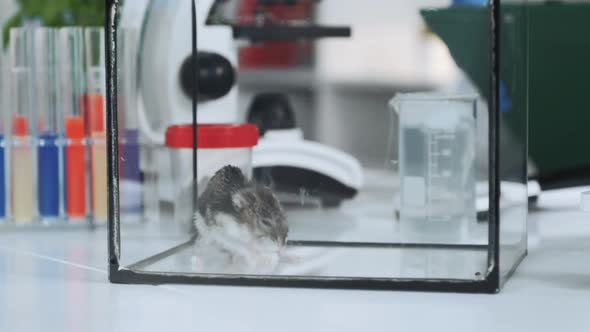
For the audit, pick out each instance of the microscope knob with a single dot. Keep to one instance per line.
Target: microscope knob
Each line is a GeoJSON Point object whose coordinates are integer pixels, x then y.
{"type": "Point", "coordinates": [216, 76]}
{"type": "Point", "coordinates": [271, 111]}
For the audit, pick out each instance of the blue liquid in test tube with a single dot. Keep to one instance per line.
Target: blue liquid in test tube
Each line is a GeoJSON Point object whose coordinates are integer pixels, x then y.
{"type": "Point", "coordinates": [4, 106]}
{"type": "Point", "coordinates": [48, 175]}
{"type": "Point", "coordinates": [49, 124]}
{"type": "Point", "coordinates": [133, 194]}
{"type": "Point", "coordinates": [4, 88]}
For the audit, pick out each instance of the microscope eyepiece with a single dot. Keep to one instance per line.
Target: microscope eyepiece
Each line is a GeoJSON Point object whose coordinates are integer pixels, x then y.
{"type": "Point", "coordinates": [215, 76]}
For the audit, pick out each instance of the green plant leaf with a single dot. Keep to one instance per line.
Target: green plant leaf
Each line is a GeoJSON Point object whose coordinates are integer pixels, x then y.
{"type": "Point", "coordinates": [57, 13]}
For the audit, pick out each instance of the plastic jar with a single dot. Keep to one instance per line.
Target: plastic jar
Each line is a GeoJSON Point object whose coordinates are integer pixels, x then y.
{"type": "Point", "coordinates": [217, 147]}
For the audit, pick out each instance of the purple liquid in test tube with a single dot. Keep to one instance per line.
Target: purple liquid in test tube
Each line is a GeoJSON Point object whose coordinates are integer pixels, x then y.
{"type": "Point", "coordinates": [131, 182]}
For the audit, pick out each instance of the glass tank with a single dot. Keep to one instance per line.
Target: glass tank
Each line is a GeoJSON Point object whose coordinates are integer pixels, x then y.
{"type": "Point", "coordinates": [333, 143]}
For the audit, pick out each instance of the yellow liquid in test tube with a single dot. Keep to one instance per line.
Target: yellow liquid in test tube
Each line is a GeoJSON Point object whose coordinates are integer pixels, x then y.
{"type": "Point", "coordinates": [98, 151]}
{"type": "Point", "coordinates": [22, 184]}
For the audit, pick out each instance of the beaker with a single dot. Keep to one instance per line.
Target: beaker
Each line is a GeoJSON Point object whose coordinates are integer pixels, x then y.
{"type": "Point", "coordinates": [436, 165]}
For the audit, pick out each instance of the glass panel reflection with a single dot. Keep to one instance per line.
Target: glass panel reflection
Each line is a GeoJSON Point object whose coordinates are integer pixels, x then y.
{"type": "Point", "coordinates": [328, 144]}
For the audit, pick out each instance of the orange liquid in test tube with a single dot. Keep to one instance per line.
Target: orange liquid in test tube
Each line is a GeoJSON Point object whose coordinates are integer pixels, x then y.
{"type": "Point", "coordinates": [98, 156]}
{"type": "Point", "coordinates": [75, 168]}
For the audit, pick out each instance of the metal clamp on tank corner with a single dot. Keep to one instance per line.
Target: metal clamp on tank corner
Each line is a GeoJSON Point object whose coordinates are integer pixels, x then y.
{"type": "Point", "coordinates": [585, 205]}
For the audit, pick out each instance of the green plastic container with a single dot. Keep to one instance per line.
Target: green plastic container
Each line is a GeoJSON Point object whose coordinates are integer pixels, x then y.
{"type": "Point", "coordinates": [559, 48]}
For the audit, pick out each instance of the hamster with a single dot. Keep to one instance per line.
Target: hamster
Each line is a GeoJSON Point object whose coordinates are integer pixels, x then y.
{"type": "Point", "coordinates": [241, 221]}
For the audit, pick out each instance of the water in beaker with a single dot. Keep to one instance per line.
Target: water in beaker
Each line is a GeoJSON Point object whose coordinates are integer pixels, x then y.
{"type": "Point", "coordinates": [436, 164]}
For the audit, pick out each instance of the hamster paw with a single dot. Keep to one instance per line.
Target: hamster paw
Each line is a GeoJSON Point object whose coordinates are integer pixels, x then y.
{"type": "Point", "coordinates": [263, 261]}
{"type": "Point", "coordinates": [291, 259]}
{"type": "Point", "coordinates": [267, 263]}
{"type": "Point", "coordinates": [196, 263]}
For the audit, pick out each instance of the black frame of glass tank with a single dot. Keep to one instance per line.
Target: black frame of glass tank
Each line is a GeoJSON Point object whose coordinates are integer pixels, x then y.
{"type": "Point", "coordinates": [490, 283]}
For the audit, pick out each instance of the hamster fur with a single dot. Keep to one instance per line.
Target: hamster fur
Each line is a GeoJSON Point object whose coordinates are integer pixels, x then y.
{"type": "Point", "coordinates": [241, 221]}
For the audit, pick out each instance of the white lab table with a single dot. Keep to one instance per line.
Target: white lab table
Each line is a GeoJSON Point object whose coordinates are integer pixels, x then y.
{"type": "Point", "coordinates": [57, 281]}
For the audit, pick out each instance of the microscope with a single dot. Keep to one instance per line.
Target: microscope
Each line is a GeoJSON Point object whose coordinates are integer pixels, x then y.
{"type": "Point", "coordinates": [283, 158]}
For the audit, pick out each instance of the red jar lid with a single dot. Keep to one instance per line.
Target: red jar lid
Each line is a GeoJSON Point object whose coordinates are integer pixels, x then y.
{"type": "Point", "coordinates": [212, 136]}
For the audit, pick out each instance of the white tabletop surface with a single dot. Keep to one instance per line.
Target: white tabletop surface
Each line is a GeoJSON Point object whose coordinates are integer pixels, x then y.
{"type": "Point", "coordinates": [58, 282]}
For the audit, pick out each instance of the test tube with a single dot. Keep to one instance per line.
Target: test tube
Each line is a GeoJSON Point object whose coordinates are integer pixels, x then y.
{"type": "Point", "coordinates": [131, 181]}
{"type": "Point", "coordinates": [49, 125]}
{"type": "Point", "coordinates": [72, 90]}
{"type": "Point", "coordinates": [95, 108]}
{"type": "Point", "coordinates": [22, 128]}
{"type": "Point", "coordinates": [4, 107]}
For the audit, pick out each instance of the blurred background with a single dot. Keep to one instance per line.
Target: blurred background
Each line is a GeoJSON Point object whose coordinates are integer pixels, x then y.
{"type": "Point", "coordinates": [339, 88]}
{"type": "Point", "coordinates": [356, 86]}
{"type": "Point", "coordinates": [364, 71]}
{"type": "Point", "coordinates": [57, 13]}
